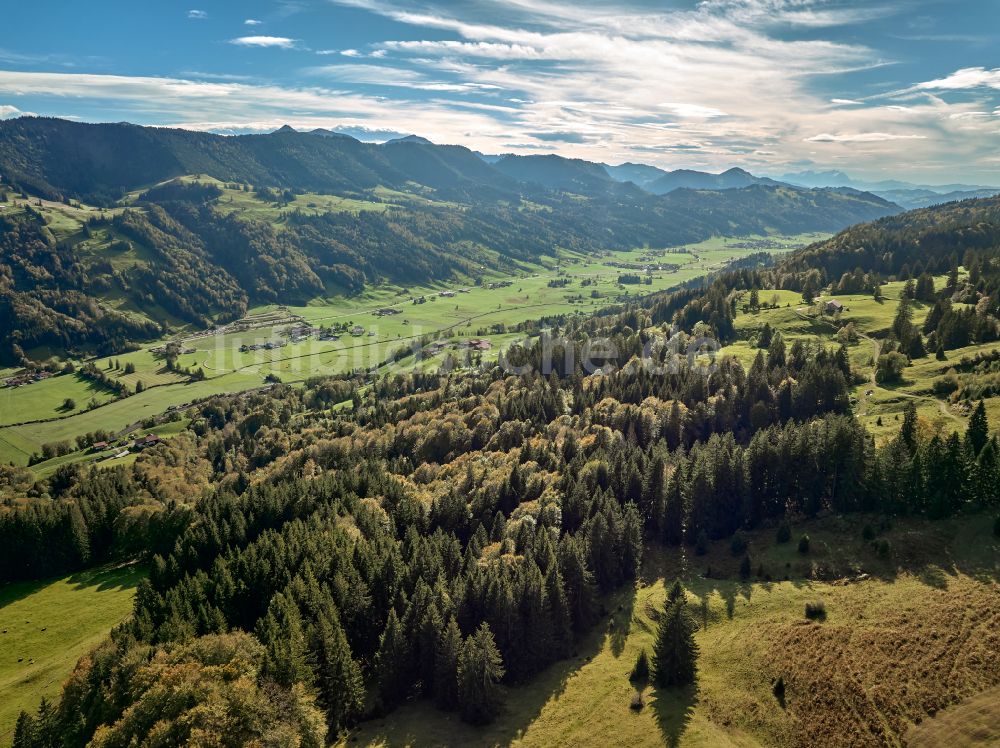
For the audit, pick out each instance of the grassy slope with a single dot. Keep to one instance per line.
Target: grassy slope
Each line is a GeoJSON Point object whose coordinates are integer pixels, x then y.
{"type": "Point", "coordinates": [913, 636]}
{"type": "Point", "coordinates": [45, 399]}
{"type": "Point", "coordinates": [872, 319]}
{"type": "Point", "coordinates": [76, 612]}
{"type": "Point", "coordinates": [18, 442]}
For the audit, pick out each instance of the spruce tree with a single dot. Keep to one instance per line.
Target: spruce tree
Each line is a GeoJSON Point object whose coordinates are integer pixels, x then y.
{"type": "Point", "coordinates": [446, 665]}
{"type": "Point", "coordinates": [426, 637]}
{"type": "Point", "coordinates": [284, 640]}
{"type": "Point", "coordinates": [535, 625]}
{"type": "Point", "coordinates": [24, 731]}
{"type": "Point", "coordinates": [908, 431]}
{"type": "Point", "coordinates": [640, 671]}
{"type": "Point", "coordinates": [562, 619]}
{"type": "Point", "coordinates": [978, 432]}
{"type": "Point", "coordinates": [673, 513]}
{"type": "Point", "coordinates": [655, 493]}
{"type": "Point", "coordinates": [675, 653]}
{"type": "Point", "coordinates": [480, 668]}
{"type": "Point", "coordinates": [392, 662]}
{"type": "Point", "coordinates": [338, 675]}
{"type": "Point", "coordinates": [579, 583]}
{"type": "Point", "coordinates": [631, 541]}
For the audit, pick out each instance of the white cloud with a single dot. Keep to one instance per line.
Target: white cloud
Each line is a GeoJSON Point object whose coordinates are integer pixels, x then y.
{"type": "Point", "coordinates": [252, 22]}
{"type": "Point", "coordinates": [384, 75]}
{"type": "Point", "coordinates": [240, 107]}
{"type": "Point", "coordinates": [845, 102]}
{"type": "Point", "coordinates": [964, 79]}
{"type": "Point", "coordinates": [814, 14]}
{"type": "Point", "coordinates": [282, 42]}
{"type": "Point", "coordinates": [861, 137]}
{"type": "Point", "coordinates": [491, 50]}
{"type": "Point", "coordinates": [10, 112]}
{"type": "Point", "coordinates": [197, 15]}
{"type": "Point", "coordinates": [694, 111]}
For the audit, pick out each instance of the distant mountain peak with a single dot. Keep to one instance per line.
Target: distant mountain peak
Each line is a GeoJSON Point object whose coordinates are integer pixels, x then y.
{"type": "Point", "coordinates": [323, 132]}
{"type": "Point", "coordinates": [410, 139]}
{"type": "Point", "coordinates": [286, 128]}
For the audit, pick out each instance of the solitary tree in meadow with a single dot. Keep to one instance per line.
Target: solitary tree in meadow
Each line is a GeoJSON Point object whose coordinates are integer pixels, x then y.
{"type": "Point", "coordinates": [675, 653]}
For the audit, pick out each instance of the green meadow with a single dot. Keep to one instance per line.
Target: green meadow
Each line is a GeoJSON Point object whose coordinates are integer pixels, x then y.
{"type": "Point", "coordinates": [47, 626]}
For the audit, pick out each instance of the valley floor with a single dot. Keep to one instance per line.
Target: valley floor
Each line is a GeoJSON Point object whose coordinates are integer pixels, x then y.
{"type": "Point", "coordinates": [910, 633]}
{"type": "Point", "coordinates": [33, 415]}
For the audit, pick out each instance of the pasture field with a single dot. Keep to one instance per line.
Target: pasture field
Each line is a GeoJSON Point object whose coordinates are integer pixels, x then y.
{"type": "Point", "coordinates": [49, 625]}
{"type": "Point", "coordinates": [567, 284]}
{"type": "Point", "coordinates": [246, 203]}
{"type": "Point", "coordinates": [878, 406]}
{"type": "Point", "coordinates": [45, 399]}
{"type": "Point", "coordinates": [17, 443]}
{"type": "Point", "coordinates": [877, 666]}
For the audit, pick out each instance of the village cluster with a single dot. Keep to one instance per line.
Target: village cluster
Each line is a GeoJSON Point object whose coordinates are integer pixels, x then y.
{"type": "Point", "coordinates": [25, 378]}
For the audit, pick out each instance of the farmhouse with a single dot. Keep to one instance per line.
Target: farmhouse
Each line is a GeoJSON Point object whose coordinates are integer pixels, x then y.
{"type": "Point", "coordinates": [447, 294]}
{"type": "Point", "coordinates": [386, 311]}
{"type": "Point", "coordinates": [357, 331]}
{"type": "Point", "coordinates": [833, 306]}
{"type": "Point", "coordinates": [477, 344]}
{"type": "Point", "coordinates": [148, 440]}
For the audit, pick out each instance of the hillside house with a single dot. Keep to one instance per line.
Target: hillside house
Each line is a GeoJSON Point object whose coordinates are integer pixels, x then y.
{"type": "Point", "coordinates": [149, 440]}
{"type": "Point", "coordinates": [477, 344]}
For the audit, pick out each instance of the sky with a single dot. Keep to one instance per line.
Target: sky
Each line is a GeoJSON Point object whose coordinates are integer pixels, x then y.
{"type": "Point", "coordinates": [893, 89]}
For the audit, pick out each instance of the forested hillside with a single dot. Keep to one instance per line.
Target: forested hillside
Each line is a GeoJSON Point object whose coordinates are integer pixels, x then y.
{"type": "Point", "coordinates": [414, 212]}
{"type": "Point", "coordinates": [444, 535]}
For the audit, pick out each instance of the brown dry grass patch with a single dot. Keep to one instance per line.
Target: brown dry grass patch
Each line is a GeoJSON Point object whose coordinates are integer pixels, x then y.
{"type": "Point", "coordinates": [884, 662]}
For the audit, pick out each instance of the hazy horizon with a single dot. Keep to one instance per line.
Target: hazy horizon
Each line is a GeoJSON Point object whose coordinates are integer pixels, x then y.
{"type": "Point", "coordinates": [889, 90]}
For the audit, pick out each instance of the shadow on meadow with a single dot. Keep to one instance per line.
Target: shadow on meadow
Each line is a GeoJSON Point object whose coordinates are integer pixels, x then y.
{"type": "Point", "coordinates": [673, 709]}
{"type": "Point", "coordinates": [123, 576]}
{"type": "Point", "coordinates": [419, 723]}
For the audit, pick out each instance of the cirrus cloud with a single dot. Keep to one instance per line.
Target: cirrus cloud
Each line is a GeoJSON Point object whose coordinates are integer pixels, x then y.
{"type": "Point", "coordinates": [861, 137]}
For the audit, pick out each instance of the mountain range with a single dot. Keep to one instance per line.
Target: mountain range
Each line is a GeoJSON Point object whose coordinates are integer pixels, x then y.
{"type": "Point", "coordinates": [905, 194]}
